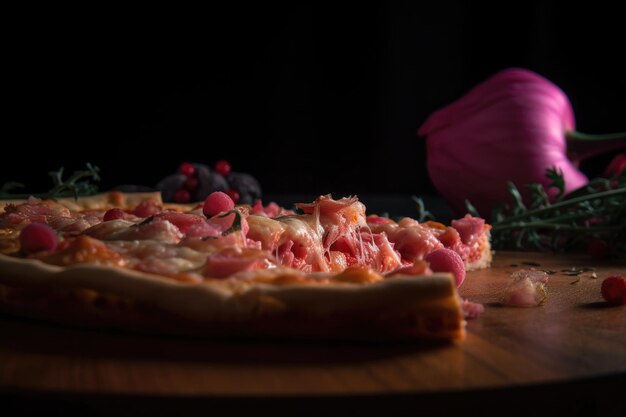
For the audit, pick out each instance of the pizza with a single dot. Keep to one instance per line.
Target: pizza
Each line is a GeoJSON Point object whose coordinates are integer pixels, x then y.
{"type": "Point", "coordinates": [325, 270]}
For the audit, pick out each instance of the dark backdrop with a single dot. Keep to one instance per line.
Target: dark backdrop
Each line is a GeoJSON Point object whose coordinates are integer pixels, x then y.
{"type": "Point", "coordinates": [310, 98]}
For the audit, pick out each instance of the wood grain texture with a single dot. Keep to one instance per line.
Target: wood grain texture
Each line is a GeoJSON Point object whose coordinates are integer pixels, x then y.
{"type": "Point", "coordinates": [574, 336]}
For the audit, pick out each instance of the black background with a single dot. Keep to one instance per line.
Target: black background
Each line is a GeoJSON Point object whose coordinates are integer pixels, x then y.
{"type": "Point", "coordinates": [310, 98]}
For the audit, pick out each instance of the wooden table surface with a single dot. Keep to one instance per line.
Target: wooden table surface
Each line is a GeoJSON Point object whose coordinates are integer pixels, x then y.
{"type": "Point", "coordinates": [575, 340]}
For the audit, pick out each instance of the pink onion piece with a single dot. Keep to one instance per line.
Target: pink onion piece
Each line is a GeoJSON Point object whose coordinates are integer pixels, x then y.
{"type": "Point", "coordinates": [471, 310]}
{"type": "Point", "coordinates": [527, 289]}
{"type": "Point", "coordinates": [511, 127]}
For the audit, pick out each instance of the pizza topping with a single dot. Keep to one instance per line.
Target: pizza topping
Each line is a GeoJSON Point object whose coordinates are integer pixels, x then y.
{"type": "Point", "coordinates": [233, 259]}
{"type": "Point", "coordinates": [147, 208]}
{"type": "Point", "coordinates": [379, 253]}
{"type": "Point", "coordinates": [158, 229]}
{"type": "Point", "coordinates": [184, 221]}
{"type": "Point", "coordinates": [470, 228]}
{"type": "Point", "coordinates": [158, 258]}
{"type": "Point", "coordinates": [38, 237]}
{"type": "Point", "coordinates": [203, 229]}
{"type": "Point", "coordinates": [337, 217]}
{"type": "Point", "coordinates": [60, 223]}
{"type": "Point", "coordinates": [272, 210]}
{"type": "Point", "coordinates": [34, 210]}
{"type": "Point", "coordinates": [229, 222]}
{"type": "Point", "coordinates": [106, 230]}
{"type": "Point", "coordinates": [83, 249]}
{"type": "Point", "coordinates": [113, 214]}
{"type": "Point", "coordinates": [414, 242]}
{"type": "Point", "coordinates": [216, 203]}
{"type": "Point", "coordinates": [301, 237]}
{"type": "Point", "coordinates": [332, 236]}
{"type": "Point", "coordinates": [265, 230]}
{"type": "Point", "coordinates": [447, 260]}
{"type": "Point", "coordinates": [77, 226]}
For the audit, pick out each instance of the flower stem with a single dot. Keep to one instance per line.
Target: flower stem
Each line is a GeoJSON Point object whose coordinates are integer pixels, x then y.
{"type": "Point", "coordinates": [581, 146]}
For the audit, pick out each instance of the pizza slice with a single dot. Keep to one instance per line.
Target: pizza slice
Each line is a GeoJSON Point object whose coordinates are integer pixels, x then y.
{"type": "Point", "coordinates": [326, 271]}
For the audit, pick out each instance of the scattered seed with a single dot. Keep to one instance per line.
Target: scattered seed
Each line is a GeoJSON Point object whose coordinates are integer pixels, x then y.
{"type": "Point", "coordinates": [593, 275]}
{"type": "Point", "coordinates": [531, 263]}
{"type": "Point", "coordinates": [549, 271]}
{"type": "Point", "coordinates": [572, 273]}
{"type": "Point", "coordinates": [575, 281]}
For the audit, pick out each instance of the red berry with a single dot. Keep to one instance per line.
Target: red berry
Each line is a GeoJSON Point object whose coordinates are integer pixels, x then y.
{"type": "Point", "coordinates": [191, 183]}
{"type": "Point", "coordinates": [222, 167]}
{"type": "Point", "coordinates": [187, 169]}
{"type": "Point", "coordinates": [233, 194]}
{"type": "Point", "coordinates": [217, 202]}
{"type": "Point", "coordinates": [37, 237]}
{"type": "Point", "coordinates": [614, 289]}
{"type": "Point", "coordinates": [182, 197]}
{"type": "Point", "coordinates": [447, 260]}
{"type": "Point", "coordinates": [113, 214]}
{"type": "Point", "coordinates": [147, 208]}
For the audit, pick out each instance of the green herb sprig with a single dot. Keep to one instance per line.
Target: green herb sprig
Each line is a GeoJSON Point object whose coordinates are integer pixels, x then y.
{"type": "Point", "coordinates": [78, 184]}
{"type": "Point", "coordinates": [595, 211]}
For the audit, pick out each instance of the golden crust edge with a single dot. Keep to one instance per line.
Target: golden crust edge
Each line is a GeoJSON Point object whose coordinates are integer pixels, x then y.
{"type": "Point", "coordinates": [100, 201]}
{"type": "Point", "coordinates": [401, 308]}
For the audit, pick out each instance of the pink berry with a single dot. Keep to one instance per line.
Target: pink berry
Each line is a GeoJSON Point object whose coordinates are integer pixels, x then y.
{"type": "Point", "coordinates": [614, 289]}
{"type": "Point", "coordinates": [222, 167]}
{"type": "Point", "coordinates": [217, 202]}
{"type": "Point", "coordinates": [233, 194]}
{"type": "Point", "coordinates": [37, 237]}
{"type": "Point", "coordinates": [113, 214]}
{"type": "Point", "coordinates": [447, 260]}
{"type": "Point", "coordinates": [182, 197]}
{"type": "Point", "coordinates": [187, 169]}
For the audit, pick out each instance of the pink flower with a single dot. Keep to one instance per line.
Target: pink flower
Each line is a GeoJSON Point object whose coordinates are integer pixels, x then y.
{"type": "Point", "coordinates": [512, 127]}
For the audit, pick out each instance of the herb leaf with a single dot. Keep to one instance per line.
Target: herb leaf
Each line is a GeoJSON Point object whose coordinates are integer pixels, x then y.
{"type": "Point", "coordinates": [78, 184]}
{"type": "Point", "coordinates": [422, 213]}
{"type": "Point", "coordinates": [236, 226]}
{"type": "Point", "coordinates": [595, 211]}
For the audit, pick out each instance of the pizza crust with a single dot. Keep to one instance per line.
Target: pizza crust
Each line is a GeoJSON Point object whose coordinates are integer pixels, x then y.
{"type": "Point", "coordinates": [402, 308]}
{"type": "Point", "coordinates": [102, 201]}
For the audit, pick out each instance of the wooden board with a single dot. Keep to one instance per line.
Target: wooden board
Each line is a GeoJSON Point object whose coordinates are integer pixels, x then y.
{"type": "Point", "coordinates": [575, 336]}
